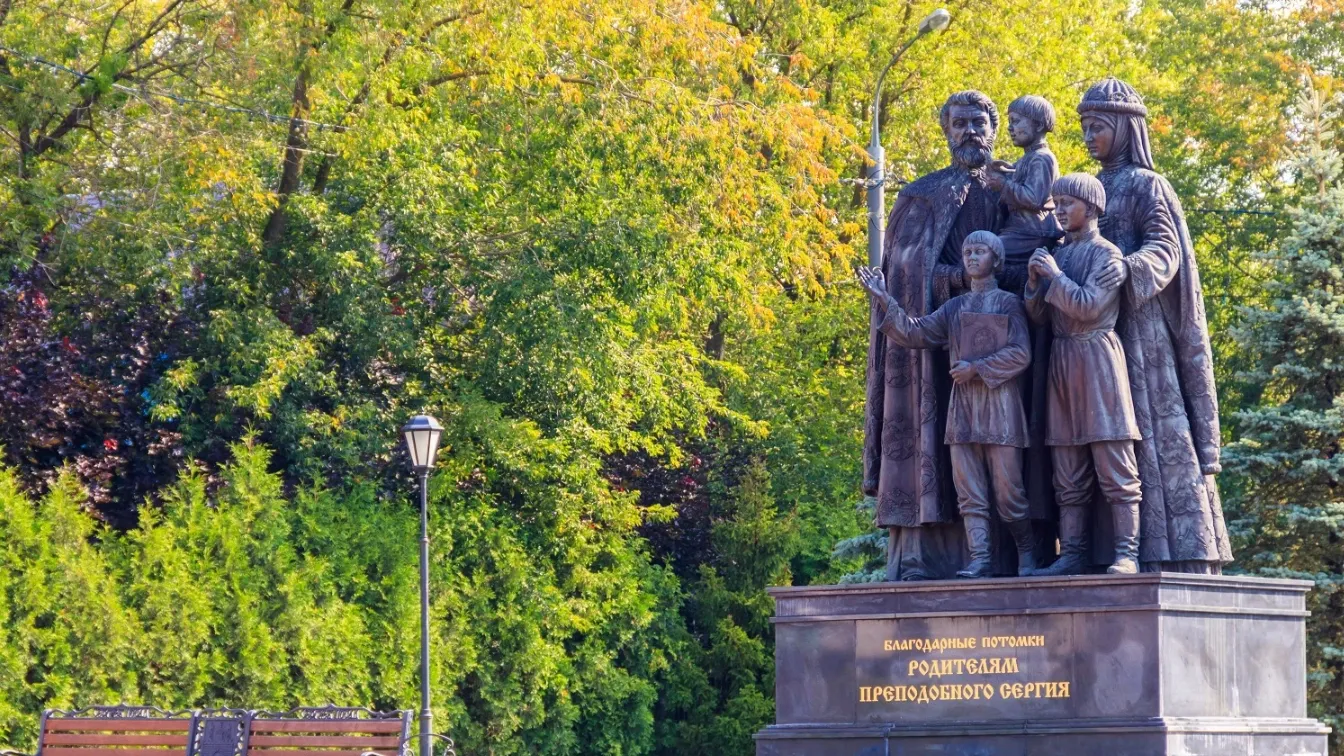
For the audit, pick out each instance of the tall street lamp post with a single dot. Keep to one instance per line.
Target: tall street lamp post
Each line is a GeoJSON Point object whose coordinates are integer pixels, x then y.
{"type": "Point", "coordinates": [877, 177]}
{"type": "Point", "coordinates": [422, 442]}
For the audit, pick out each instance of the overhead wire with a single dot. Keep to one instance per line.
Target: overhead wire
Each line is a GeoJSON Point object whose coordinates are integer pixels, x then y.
{"type": "Point", "coordinates": [179, 99]}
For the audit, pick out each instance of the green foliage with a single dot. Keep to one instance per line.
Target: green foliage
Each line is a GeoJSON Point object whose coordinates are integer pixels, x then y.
{"type": "Point", "coordinates": [728, 613]}
{"type": "Point", "coordinates": [866, 552]}
{"type": "Point", "coordinates": [1288, 515]}
{"type": "Point", "coordinates": [249, 596]}
{"type": "Point", "coordinates": [66, 636]}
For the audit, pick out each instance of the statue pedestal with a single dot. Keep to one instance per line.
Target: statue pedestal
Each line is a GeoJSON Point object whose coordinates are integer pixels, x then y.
{"type": "Point", "coordinates": [1120, 665]}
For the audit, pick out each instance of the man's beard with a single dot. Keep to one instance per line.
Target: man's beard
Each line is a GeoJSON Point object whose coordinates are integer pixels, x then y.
{"type": "Point", "coordinates": [972, 153]}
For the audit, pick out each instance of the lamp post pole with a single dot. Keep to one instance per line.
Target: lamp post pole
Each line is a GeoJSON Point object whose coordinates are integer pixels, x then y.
{"type": "Point", "coordinates": [422, 444]}
{"type": "Point", "coordinates": [426, 716]}
{"type": "Point", "coordinates": [877, 177]}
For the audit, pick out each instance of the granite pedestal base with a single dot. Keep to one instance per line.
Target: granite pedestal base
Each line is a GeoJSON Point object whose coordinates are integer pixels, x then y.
{"type": "Point", "coordinates": [1118, 665]}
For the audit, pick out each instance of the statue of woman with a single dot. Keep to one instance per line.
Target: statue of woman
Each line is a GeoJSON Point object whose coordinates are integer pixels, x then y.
{"type": "Point", "coordinates": [1166, 340]}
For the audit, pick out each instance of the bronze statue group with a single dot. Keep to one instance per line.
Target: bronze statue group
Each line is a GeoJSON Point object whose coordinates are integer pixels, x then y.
{"type": "Point", "coordinates": [1039, 364]}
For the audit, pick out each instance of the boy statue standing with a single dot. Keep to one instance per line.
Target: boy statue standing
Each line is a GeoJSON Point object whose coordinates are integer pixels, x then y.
{"type": "Point", "coordinates": [1091, 431]}
{"type": "Point", "coordinates": [985, 330]}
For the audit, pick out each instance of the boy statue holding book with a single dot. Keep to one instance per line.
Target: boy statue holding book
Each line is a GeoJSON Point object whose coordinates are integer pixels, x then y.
{"type": "Point", "coordinates": [985, 331]}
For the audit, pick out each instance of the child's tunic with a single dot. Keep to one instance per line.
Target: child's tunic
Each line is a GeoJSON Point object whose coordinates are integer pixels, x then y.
{"type": "Point", "coordinates": [1088, 399]}
{"type": "Point", "coordinates": [1030, 223]}
{"type": "Point", "coordinates": [987, 410]}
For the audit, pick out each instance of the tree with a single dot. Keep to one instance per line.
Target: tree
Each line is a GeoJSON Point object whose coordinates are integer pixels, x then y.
{"type": "Point", "coordinates": [548, 635]}
{"type": "Point", "coordinates": [1286, 512]}
{"type": "Point", "coordinates": [728, 616]}
{"type": "Point", "coordinates": [76, 399]}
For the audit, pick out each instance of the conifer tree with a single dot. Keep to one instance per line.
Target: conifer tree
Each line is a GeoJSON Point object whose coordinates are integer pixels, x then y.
{"type": "Point", "coordinates": [1286, 470]}
{"type": "Point", "coordinates": [865, 552]}
{"type": "Point", "coordinates": [728, 614]}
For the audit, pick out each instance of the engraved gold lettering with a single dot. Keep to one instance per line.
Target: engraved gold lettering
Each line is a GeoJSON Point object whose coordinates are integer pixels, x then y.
{"type": "Point", "coordinates": [973, 692]}
{"type": "Point", "coordinates": [998, 665]}
{"type": "Point", "coordinates": [929, 645]}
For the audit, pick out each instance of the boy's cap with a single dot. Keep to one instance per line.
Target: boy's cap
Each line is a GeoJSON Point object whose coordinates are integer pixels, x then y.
{"type": "Point", "coordinates": [1084, 186]}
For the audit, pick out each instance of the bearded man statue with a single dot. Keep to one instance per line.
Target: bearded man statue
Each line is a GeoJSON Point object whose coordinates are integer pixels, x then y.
{"type": "Point", "coordinates": [1166, 339]}
{"type": "Point", "coordinates": [907, 466]}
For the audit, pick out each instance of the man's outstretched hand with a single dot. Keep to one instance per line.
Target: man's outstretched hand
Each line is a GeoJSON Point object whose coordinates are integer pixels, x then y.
{"type": "Point", "coordinates": [874, 283]}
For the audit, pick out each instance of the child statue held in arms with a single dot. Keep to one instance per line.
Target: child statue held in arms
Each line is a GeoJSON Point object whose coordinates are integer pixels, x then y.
{"type": "Point", "coordinates": [1091, 430]}
{"type": "Point", "coordinates": [1024, 188]}
{"type": "Point", "coordinates": [985, 331]}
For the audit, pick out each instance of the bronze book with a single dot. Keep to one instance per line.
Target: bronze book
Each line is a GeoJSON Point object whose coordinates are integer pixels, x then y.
{"type": "Point", "coordinates": [982, 334]}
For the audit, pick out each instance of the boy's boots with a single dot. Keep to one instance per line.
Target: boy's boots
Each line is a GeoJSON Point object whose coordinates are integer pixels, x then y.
{"type": "Point", "coordinates": [1126, 518]}
{"type": "Point", "coordinates": [1072, 543]}
{"type": "Point", "coordinates": [1025, 540]}
{"type": "Point", "coordinates": [977, 539]}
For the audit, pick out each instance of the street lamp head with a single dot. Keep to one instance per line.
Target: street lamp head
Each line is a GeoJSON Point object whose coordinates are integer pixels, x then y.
{"type": "Point", "coordinates": [422, 441]}
{"type": "Point", "coordinates": [937, 21]}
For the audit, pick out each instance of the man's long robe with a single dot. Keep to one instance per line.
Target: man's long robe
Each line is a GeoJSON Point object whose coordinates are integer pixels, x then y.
{"type": "Point", "coordinates": [905, 463]}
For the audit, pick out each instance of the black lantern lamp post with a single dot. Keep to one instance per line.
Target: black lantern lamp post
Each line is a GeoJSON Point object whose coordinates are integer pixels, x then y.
{"type": "Point", "coordinates": [422, 443]}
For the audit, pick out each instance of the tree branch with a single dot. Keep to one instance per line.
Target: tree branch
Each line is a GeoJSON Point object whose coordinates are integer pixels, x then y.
{"type": "Point", "coordinates": [448, 19]}
{"type": "Point", "coordinates": [76, 114]}
{"type": "Point", "coordinates": [296, 142]}
{"type": "Point", "coordinates": [362, 96]}
{"type": "Point", "coordinates": [65, 126]}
